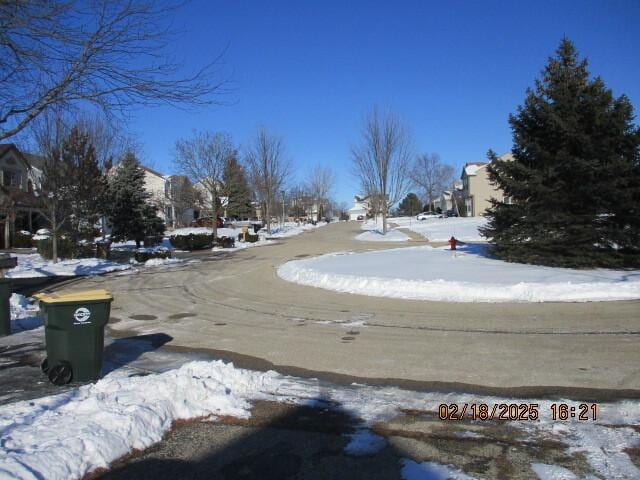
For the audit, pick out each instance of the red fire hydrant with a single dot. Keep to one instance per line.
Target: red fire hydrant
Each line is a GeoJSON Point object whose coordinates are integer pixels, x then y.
{"type": "Point", "coordinates": [452, 243]}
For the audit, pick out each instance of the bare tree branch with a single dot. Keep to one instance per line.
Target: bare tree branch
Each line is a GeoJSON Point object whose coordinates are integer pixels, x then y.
{"type": "Point", "coordinates": [268, 168]}
{"type": "Point", "coordinates": [108, 53]}
{"type": "Point", "coordinates": [320, 185]}
{"type": "Point", "coordinates": [202, 159]}
{"type": "Point", "coordinates": [381, 161]}
{"type": "Point", "coordinates": [431, 175]}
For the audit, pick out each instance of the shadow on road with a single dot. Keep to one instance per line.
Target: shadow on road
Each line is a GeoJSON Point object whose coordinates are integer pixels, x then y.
{"type": "Point", "coordinates": [278, 442]}
{"type": "Point", "coordinates": [123, 351]}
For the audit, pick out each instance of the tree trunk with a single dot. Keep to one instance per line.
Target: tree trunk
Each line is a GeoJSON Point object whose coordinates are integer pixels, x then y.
{"type": "Point", "coordinates": [7, 232]}
{"type": "Point", "coordinates": [384, 219]}
{"type": "Point", "coordinates": [268, 216]}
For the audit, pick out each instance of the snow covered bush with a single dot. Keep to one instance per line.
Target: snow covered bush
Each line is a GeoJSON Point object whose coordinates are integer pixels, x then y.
{"type": "Point", "coordinates": [192, 241]}
{"type": "Point", "coordinates": [143, 254]}
{"type": "Point", "coordinates": [248, 238]}
{"type": "Point", "coordinates": [22, 239]}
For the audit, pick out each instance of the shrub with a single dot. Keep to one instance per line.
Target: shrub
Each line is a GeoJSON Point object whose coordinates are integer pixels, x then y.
{"type": "Point", "coordinates": [226, 242]}
{"type": "Point", "coordinates": [45, 247]}
{"type": "Point", "coordinates": [144, 254]}
{"type": "Point", "coordinates": [84, 250]}
{"type": "Point", "coordinates": [192, 241]}
{"type": "Point", "coordinates": [248, 238]}
{"type": "Point", "coordinates": [22, 239]}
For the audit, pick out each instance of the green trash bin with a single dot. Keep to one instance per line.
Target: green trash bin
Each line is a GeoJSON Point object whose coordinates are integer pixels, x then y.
{"type": "Point", "coordinates": [74, 332]}
{"type": "Point", "coordinates": [5, 308]}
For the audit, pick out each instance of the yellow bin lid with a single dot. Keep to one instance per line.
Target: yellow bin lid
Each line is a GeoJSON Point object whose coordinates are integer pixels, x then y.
{"type": "Point", "coordinates": [75, 296]}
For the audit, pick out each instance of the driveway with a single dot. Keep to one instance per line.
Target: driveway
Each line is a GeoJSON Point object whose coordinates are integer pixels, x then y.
{"type": "Point", "coordinates": [233, 306]}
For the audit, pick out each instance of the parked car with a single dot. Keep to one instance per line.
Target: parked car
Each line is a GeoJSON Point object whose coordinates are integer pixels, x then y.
{"type": "Point", "coordinates": [425, 215]}
{"type": "Point", "coordinates": [360, 218]}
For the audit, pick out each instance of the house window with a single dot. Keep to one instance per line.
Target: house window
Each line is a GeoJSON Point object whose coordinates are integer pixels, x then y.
{"type": "Point", "coordinates": [508, 200]}
{"type": "Point", "coordinates": [10, 178]}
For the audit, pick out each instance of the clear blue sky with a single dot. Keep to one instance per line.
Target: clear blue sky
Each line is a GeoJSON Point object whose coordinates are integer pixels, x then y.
{"type": "Point", "coordinates": [454, 70]}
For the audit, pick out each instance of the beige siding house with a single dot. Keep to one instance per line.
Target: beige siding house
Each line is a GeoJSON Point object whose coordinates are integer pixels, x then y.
{"type": "Point", "coordinates": [477, 188]}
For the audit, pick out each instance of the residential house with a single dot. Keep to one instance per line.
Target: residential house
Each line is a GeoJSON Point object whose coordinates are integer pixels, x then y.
{"type": "Point", "coordinates": [361, 207]}
{"type": "Point", "coordinates": [157, 186]}
{"type": "Point", "coordinates": [19, 179]}
{"type": "Point", "coordinates": [477, 188]}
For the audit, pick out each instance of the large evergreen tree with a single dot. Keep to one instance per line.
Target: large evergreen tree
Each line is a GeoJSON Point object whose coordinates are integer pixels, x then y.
{"type": "Point", "coordinates": [127, 210]}
{"type": "Point", "coordinates": [572, 191]}
{"type": "Point", "coordinates": [236, 188]}
{"type": "Point", "coordinates": [410, 205]}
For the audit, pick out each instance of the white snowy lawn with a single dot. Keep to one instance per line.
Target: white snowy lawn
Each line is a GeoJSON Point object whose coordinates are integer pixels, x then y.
{"type": "Point", "coordinates": [464, 275]}
{"type": "Point", "coordinates": [373, 232]}
{"type": "Point", "coordinates": [33, 265]}
{"type": "Point", "coordinates": [69, 435]}
{"type": "Point", "coordinates": [378, 236]}
{"type": "Point", "coordinates": [291, 229]}
{"type": "Point", "coordinates": [442, 229]}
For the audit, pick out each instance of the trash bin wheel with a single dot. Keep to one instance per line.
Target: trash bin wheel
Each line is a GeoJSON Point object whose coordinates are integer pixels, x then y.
{"type": "Point", "coordinates": [44, 366]}
{"type": "Point", "coordinates": [60, 374]}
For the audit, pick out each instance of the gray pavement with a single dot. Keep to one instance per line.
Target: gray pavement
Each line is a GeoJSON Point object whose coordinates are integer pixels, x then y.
{"type": "Point", "coordinates": [234, 306]}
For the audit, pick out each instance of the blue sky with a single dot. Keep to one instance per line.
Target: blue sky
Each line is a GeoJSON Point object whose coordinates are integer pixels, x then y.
{"type": "Point", "coordinates": [453, 70]}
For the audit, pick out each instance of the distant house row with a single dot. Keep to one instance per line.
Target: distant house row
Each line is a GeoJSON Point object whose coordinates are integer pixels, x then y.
{"type": "Point", "coordinates": [474, 189]}
{"type": "Point", "coordinates": [21, 176]}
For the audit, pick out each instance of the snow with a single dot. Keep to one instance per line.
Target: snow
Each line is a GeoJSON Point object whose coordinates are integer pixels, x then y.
{"type": "Point", "coordinates": [437, 229]}
{"type": "Point", "coordinates": [472, 168]}
{"type": "Point", "coordinates": [121, 412]}
{"type": "Point", "coordinates": [364, 443]}
{"type": "Point", "coordinates": [464, 275]}
{"type": "Point", "coordinates": [378, 236]}
{"type": "Point", "coordinates": [431, 471]}
{"type": "Point", "coordinates": [33, 265]}
{"type": "Point", "coordinates": [552, 472]}
{"type": "Point", "coordinates": [159, 262]}
{"type": "Point", "coordinates": [291, 229]}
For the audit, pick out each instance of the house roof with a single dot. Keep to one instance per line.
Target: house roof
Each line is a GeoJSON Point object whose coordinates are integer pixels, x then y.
{"type": "Point", "coordinates": [472, 168]}
{"type": "Point", "coordinates": [152, 171]}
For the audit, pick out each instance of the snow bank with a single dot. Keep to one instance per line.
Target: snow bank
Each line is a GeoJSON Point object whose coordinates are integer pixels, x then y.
{"type": "Point", "coordinates": [431, 471]}
{"type": "Point", "coordinates": [378, 236]}
{"type": "Point", "coordinates": [465, 275]}
{"type": "Point", "coordinates": [442, 229]}
{"type": "Point", "coordinates": [291, 229]}
{"type": "Point", "coordinates": [33, 265]}
{"type": "Point", "coordinates": [68, 435]}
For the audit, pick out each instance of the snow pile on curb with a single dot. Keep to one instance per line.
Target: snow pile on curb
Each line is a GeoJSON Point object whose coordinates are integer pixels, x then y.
{"type": "Point", "coordinates": [431, 471]}
{"type": "Point", "coordinates": [378, 236]}
{"type": "Point", "coordinates": [442, 229]}
{"type": "Point", "coordinates": [33, 265]}
{"type": "Point", "coordinates": [291, 229]}
{"type": "Point", "coordinates": [466, 275]}
{"type": "Point", "coordinates": [69, 435]}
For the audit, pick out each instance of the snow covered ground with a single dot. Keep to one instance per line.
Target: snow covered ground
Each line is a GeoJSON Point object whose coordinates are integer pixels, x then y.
{"type": "Point", "coordinates": [33, 265]}
{"type": "Point", "coordinates": [377, 236]}
{"type": "Point", "coordinates": [291, 229]}
{"type": "Point", "coordinates": [68, 435]}
{"type": "Point", "coordinates": [442, 229]}
{"type": "Point", "coordinates": [464, 275]}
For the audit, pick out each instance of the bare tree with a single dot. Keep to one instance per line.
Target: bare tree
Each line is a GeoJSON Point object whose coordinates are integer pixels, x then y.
{"type": "Point", "coordinates": [381, 161]}
{"type": "Point", "coordinates": [268, 169]}
{"type": "Point", "coordinates": [320, 185]}
{"type": "Point", "coordinates": [112, 54]}
{"type": "Point", "coordinates": [431, 175]}
{"type": "Point", "coordinates": [180, 197]}
{"type": "Point", "coordinates": [202, 158]}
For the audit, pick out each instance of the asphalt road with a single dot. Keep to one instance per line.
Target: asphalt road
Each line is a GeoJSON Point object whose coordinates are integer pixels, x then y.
{"type": "Point", "coordinates": [234, 306]}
